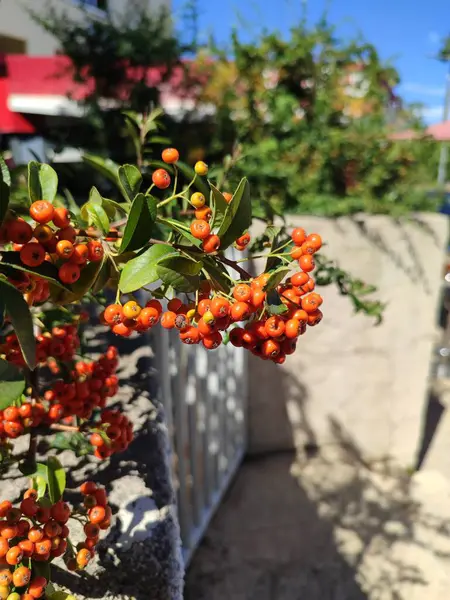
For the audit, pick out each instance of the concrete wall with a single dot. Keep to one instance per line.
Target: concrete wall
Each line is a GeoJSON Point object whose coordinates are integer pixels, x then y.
{"type": "Point", "coordinates": [16, 23]}
{"type": "Point", "coordinates": [349, 381]}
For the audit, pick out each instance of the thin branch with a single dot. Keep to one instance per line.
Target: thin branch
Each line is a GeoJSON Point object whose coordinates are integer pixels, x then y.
{"type": "Point", "coordinates": [233, 264]}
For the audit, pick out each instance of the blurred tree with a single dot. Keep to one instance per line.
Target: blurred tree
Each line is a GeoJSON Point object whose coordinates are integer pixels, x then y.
{"type": "Point", "coordinates": [311, 117]}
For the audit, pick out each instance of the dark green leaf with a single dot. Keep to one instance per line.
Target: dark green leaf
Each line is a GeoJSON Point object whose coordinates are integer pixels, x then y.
{"type": "Point", "coordinates": [56, 479]}
{"type": "Point", "coordinates": [42, 182]}
{"type": "Point", "coordinates": [272, 235]}
{"type": "Point", "coordinates": [179, 281]}
{"type": "Point", "coordinates": [5, 175]}
{"type": "Point", "coordinates": [140, 223]}
{"type": "Point", "coordinates": [181, 264]}
{"type": "Point", "coordinates": [94, 213]}
{"type": "Point", "coordinates": [46, 271]}
{"type": "Point", "coordinates": [42, 569]}
{"type": "Point", "coordinates": [130, 180]}
{"type": "Point", "coordinates": [19, 313]}
{"type": "Point", "coordinates": [218, 205]}
{"type": "Point", "coordinates": [103, 277]}
{"type": "Point", "coordinates": [111, 207]}
{"type": "Point", "coordinates": [105, 166]}
{"type": "Point", "coordinates": [238, 216]}
{"type": "Point", "coordinates": [276, 277]}
{"type": "Point", "coordinates": [61, 441]}
{"type": "Point", "coordinates": [217, 273]}
{"type": "Point", "coordinates": [12, 384]}
{"type": "Point", "coordinates": [141, 271]}
{"type": "Point", "coordinates": [4, 200]}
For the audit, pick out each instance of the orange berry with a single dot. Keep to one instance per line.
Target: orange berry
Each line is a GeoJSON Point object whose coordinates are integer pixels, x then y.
{"type": "Point", "coordinates": [42, 211]}
{"type": "Point", "coordinates": [83, 557]}
{"type": "Point", "coordinates": [43, 233]}
{"type": "Point", "coordinates": [270, 348]}
{"type": "Point", "coordinates": [64, 249]}
{"type": "Point", "coordinates": [298, 236]}
{"type": "Point", "coordinates": [211, 244]}
{"type": "Point", "coordinates": [87, 488]}
{"type": "Point", "coordinates": [168, 319]}
{"type": "Point", "coordinates": [275, 326]}
{"type": "Point", "coordinates": [43, 547]}
{"type": "Point", "coordinates": [69, 273]}
{"type": "Point", "coordinates": [27, 548]}
{"type": "Point", "coordinates": [148, 317]}
{"type": "Point", "coordinates": [61, 217]}
{"type": "Point", "coordinates": [296, 252]}
{"type": "Point", "coordinates": [52, 529]}
{"type": "Point", "coordinates": [307, 263]}
{"type": "Point", "coordinates": [220, 307]}
{"type": "Point", "coordinates": [307, 248]}
{"type": "Point", "coordinates": [212, 341]}
{"type": "Point", "coordinates": [35, 534]}
{"type": "Point", "coordinates": [228, 197]}
{"type": "Point", "coordinates": [243, 240]}
{"type": "Point", "coordinates": [200, 229]}
{"type": "Point", "coordinates": [203, 214]}
{"type": "Point", "coordinates": [191, 335]}
{"type": "Point", "coordinates": [258, 297]}
{"type": "Point", "coordinates": [96, 440]}
{"type": "Point", "coordinates": [11, 413]}
{"type": "Point", "coordinates": [289, 297]}
{"type": "Point", "coordinates": [19, 231]}
{"type": "Point", "coordinates": [261, 281]}
{"type": "Point", "coordinates": [97, 514]}
{"type": "Point", "coordinates": [32, 254]}
{"type": "Point", "coordinates": [122, 329]}
{"type": "Point", "coordinates": [161, 179]}
{"type": "Point", "coordinates": [14, 556]}
{"type": "Point", "coordinates": [21, 576]}
{"type": "Point", "coordinates": [80, 254]}
{"type": "Point", "coordinates": [240, 311]}
{"type": "Point", "coordinates": [204, 306]}
{"type": "Point", "coordinates": [292, 328]}
{"type": "Point", "coordinates": [198, 200]}
{"type": "Point", "coordinates": [37, 586]}
{"type": "Point", "coordinates": [156, 304]}
{"type": "Point", "coordinates": [311, 302]}
{"type": "Point", "coordinates": [170, 155]}
{"type": "Point", "coordinates": [113, 314]}
{"type": "Point", "coordinates": [315, 241]}
{"type": "Point", "coordinates": [95, 250]}
{"type": "Point", "coordinates": [315, 317]}
{"type": "Point", "coordinates": [4, 547]}
{"type": "Point", "coordinates": [5, 577]}
{"type": "Point", "coordinates": [206, 328]}
{"type": "Point", "coordinates": [29, 493]}
{"type": "Point", "coordinates": [242, 292]}
{"type": "Point", "coordinates": [67, 233]}
{"type": "Point", "coordinates": [131, 310]}
{"type": "Point", "coordinates": [299, 278]}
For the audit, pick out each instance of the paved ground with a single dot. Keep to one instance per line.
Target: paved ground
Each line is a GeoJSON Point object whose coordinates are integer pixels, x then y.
{"type": "Point", "coordinates": [327, 528]}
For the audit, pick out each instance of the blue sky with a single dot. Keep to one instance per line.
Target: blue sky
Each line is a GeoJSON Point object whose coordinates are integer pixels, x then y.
{"type": "Point", "coordinates": [405, 32]}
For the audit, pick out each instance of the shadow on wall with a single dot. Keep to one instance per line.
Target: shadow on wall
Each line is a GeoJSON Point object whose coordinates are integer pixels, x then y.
{"type": "Point", "coordinates": [321, 523]}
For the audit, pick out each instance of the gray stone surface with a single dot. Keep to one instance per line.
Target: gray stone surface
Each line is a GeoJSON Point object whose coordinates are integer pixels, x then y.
{"type": "Point", "coordinates": [326, 528]}
{"type": "Point", "coordinates": [372, 380]}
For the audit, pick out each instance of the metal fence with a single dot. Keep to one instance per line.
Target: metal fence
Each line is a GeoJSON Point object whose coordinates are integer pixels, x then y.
{"type": "Point", "coordinates": [204, 394]}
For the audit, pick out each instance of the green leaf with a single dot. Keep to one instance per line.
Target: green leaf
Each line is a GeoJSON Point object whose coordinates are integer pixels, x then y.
{"type": "Point", "coordinates": [276, 277]}
{"type": "Point", "coordinates": [130, 180]}
{"type": "Point", "coordinates": [19, 313]}
{"type": "Point", "coordinates": [60, 595]}
{"type": "Point", "coordinates": [12, 384]}
{"type": "Point", "coordinates": [5, 175]}
{"type": "Point", "coordinates": [218, 205]}
{"type": "Point", "coordinates": [42, 182]}
{"type": "Point", "coordinates": [141, 271]}
{"type": "Point", "coordinates": [182, 264]}
{"type": "Point", "coordinates": [277, 309]}
{"type": "Point", "coordinates": [70, 202]}
{"type": "Point", "coordinates": [217, 273]}
{"type": "Point", "coordinates": [177, 226]}
{"type": "Point", "coordinates": [272, 234]}
{"type": "Point", "coordinates": [94, 213]}
{"type": "Point", "coordinates": [46, 271]}
{"type": "Point", "coordinates": [238, 216]}
{"type": "Point", "coordinates": [111, 206]}
{"type": "Point", "coordinates": [179, 281]}
{"type": "Point", "coordinates": [140, 223]}
{"type": "Point", "coordinates": [107, 167]}
{"type": "Point", "coordinates": [41, 486]}
{"type": "Point", "coordinates": [56, 479]}
{"type": "Point", "coordinates": [103, 277]}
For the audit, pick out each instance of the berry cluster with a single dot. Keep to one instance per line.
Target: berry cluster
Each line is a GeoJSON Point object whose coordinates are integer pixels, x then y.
{"type": "Point", "coordinates": [37, 531]}
{"type": "Point", "coordinates": [130, 317]}
{"type": "Point", "coordinates": [61, 344]}
{"type": "Point", "coordinates": [117, 435]}
{"type": "Point", "coordinates": [97, 519]}
{"type": "Point", "coordinates": [50, 237]}
{"type": "Point", "coordinates": [86, 387]}
{"type": "Point", "coordinates": [34, 532]}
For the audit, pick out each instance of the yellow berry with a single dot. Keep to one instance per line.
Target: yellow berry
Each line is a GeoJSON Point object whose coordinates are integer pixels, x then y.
{"type": "Point", "coordinates": [131, 309]}
{"type": "Point", "coordinates": [201, 168]}
{"type": "Point", "coordinates": [208, 317]}
{"type": "Point", "coordinates": [191, 314]}
{"type": "Point", "coordinates": [198, 200]}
